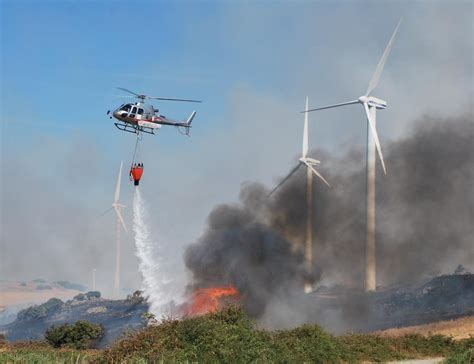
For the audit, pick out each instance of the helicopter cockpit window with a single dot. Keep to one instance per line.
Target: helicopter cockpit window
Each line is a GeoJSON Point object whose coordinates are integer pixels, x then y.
{"type": "Point", "coordinates": [125, 108]}
{"type": "Point", "coordinates": [134, 110]}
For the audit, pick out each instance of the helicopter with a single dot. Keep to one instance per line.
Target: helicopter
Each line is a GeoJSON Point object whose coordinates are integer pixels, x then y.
{"type": "Point", "coordinates": [139, 117]}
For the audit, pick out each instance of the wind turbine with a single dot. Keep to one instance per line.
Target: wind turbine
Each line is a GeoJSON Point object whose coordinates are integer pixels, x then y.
{"type": "Point", "coordinates": [93, 279]}
{"type": "Point", "coordinates": [309, 163]}
{"type": "Point", "coordinates": [117, 206]}
{"type": "Point", "coordinates": [371, 104]}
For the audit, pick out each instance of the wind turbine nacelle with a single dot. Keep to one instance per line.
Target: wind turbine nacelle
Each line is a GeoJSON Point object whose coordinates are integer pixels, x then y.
{"type": "Point", "coordinates": [311, 161]}
{"type": "Point", "coordinates": [374, 102]}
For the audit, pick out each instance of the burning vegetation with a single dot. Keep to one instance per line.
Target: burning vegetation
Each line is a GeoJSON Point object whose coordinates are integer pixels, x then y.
{"type": "Point", "coordinates": [207, 300]}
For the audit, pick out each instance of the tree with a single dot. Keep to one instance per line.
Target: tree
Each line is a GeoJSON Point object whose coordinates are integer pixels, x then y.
{"type": "Point", "coordinates": [81, 335]}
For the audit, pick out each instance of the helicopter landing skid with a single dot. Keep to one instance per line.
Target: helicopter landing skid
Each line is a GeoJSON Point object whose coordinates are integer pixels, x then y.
{"type": "Point", "coordinates": [134, 129]}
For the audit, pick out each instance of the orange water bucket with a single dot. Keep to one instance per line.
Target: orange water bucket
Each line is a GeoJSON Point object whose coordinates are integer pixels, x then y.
{"type": "Point", "coordinates": [136, 173]}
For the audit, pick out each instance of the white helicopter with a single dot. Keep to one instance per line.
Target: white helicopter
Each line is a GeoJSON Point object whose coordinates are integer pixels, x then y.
{"type": "Point", "coordinates": [140, 117]}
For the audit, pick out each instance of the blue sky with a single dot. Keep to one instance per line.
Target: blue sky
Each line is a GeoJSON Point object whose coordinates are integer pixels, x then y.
{"type": "Point", "coordinates": [252, 63]}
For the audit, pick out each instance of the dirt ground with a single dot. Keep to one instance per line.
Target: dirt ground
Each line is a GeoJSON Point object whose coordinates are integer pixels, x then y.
{"type": "Point", "coordinates": [458, 329]}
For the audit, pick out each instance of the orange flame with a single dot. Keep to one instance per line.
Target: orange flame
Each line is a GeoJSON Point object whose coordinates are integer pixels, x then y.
{"type": "Point", "coordinates": [207, 300]}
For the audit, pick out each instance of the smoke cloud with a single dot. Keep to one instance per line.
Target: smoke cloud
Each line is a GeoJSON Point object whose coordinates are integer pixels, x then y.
{"type": "Point", "coordinates": [425, 208]}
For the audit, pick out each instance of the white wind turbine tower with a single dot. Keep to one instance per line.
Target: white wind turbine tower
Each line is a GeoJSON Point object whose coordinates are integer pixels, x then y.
{"type": "Point", "coordinates": [117, 206]}
{"type": "Point", "coordinates": [93, 279]}
{"type": "Point", "coordinates": [309, 163]}
{"type": "Point", "coordinates": [371, 104]}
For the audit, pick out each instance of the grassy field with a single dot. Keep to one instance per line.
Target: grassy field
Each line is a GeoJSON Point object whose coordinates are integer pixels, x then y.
{"type": "Point", "coordinates": [42, 353]}
{"type": "Point", "coordinates": [230, 336]}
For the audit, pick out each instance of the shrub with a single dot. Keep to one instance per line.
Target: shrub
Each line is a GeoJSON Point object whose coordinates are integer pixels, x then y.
{"type": "Point", "coordinates": [37, 312]}
{"type": "Point", "coordinates": [79, 297]}
{"type": "Point", "coordinates": [93, 294]}
{"type": "Point", "coordinates": [81, 335]}
{"type": "Point", "coordinates": [136, 298]}
{"type": "Point", "coordinates": [149, 319]}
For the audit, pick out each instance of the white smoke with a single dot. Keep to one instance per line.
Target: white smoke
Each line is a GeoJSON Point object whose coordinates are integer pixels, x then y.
{"type": "Point", "coordinates": [157, 285]}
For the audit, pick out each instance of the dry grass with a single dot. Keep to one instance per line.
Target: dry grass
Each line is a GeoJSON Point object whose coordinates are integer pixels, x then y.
{"type": "Point", "coordinates": [458, 329]}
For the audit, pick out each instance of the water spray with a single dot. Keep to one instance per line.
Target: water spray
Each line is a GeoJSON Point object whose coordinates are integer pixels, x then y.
{"type": "Point", "coordinates": [157, 285]}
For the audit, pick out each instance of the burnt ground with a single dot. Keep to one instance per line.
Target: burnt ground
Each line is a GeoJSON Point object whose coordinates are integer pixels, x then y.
{"type": "Point", "coordinates": [440, 298]}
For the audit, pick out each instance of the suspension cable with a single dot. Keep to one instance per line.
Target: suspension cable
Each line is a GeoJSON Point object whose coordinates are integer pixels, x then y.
{"type": "Point", "coordinates": [135, 151]}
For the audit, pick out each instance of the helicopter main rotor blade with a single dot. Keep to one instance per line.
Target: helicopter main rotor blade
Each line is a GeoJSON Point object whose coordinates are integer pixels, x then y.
{"type": "Point", "coordinates": [130, 92]}
{"type": "Point", "coordinates": [171, 99]}
{"type": "Point", "coordinates": [126, 96]}
{"type": "Point", "coordinates": [143, 97]}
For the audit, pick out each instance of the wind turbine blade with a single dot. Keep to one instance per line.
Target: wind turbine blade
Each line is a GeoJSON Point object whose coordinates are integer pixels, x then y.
{"type": "Point", "coordinates": [376, 76]}
{"type": "Point", "coordinates": [331, 106]}
{"type": "Point", "coordinates": [305, 132]}
{"type": "Point", "coordinates": [285, 179]}
{"type": "Point", "coordinates": [119, 214]}
{"type": "Point", "coordinates": [117, 189]}
{"type": "Point", "coordinates": [375, 136]}
{"type": "Point", "coordinates": [317, 173]}
{"type": "Point", "coordinates": [106, 211]}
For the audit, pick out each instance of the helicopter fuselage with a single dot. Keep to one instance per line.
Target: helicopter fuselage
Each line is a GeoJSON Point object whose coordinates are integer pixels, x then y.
{"type": "Point", "coordinates": [140, 117]}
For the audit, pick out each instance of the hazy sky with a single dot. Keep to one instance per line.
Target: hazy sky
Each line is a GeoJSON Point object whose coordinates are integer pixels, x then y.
{"type": "Point", "coordinates": [251, 63]}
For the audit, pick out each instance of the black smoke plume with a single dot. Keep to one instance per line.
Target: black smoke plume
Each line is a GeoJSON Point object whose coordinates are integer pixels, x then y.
{"type": "Point", "coordinates": [425, 210]}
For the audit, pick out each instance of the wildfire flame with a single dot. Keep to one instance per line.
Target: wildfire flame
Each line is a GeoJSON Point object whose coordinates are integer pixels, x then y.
{"type": "Point", "coordinates": [207, 300]}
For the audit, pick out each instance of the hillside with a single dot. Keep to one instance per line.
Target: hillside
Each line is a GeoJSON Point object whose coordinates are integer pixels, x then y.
{"type": "Point", "coordinates": [116, 316]}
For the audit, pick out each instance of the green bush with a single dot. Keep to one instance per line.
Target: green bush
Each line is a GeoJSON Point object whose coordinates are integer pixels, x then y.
{"type": "Point", "coordinates": [81, 335]}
